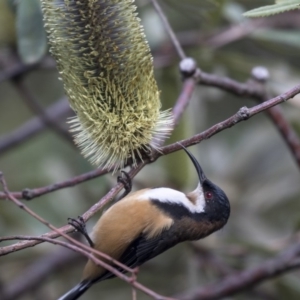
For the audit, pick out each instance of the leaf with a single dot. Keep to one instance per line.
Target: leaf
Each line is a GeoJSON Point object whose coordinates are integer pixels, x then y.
{"type": "Point", "coordinates": [279, 7]}
{"type": "Point", "coordinates": [32, 40]}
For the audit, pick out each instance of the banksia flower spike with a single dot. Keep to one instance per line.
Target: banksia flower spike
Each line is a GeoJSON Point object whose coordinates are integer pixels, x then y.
{"type": "Point", "coordinates": [105, 64]}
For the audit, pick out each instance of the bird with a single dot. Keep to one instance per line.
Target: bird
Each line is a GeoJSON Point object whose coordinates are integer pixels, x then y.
{"type": "Point", "coordinates": [148, 222]}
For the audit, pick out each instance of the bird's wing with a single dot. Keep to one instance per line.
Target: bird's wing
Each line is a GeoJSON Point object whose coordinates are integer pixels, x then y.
{"type": "Point", "coordinates": [143, 249]}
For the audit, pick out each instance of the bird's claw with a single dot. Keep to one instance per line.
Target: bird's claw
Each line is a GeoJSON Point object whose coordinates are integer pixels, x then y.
{"type": "Point", "coordinates": [79, 225]}
{"type": "Point", "coordinates": [127, 183]}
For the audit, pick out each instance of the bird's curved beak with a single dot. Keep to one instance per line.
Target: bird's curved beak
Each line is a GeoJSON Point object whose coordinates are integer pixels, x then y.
{"type": "Point", "coordinates": [199, 170]}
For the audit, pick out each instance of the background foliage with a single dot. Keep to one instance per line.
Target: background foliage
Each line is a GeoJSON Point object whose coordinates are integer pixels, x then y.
{"type": "Point", "coordinates": [250, 161]}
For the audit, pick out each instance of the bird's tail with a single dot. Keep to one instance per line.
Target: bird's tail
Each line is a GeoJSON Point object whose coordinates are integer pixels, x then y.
{"type": "Point", "coordinates": [77, 290]}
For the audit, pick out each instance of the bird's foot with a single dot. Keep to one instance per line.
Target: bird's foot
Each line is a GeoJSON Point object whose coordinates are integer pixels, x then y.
{"type": "Point", "coordinates": [127, 182]}
{"type": "Point", "coordinates": [79, 225]}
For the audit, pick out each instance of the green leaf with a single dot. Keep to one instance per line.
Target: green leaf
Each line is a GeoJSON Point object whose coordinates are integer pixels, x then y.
{"type": "Point", "coordinates": [279, 7]}
{"type": "Point", "coordinates": [32, 40]}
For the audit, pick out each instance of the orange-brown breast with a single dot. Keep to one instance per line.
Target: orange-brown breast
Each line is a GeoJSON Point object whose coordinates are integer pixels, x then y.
{"type": "Point", "coordinates": [123, 223]}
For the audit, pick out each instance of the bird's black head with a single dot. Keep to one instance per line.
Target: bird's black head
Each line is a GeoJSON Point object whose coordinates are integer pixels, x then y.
{"type": "Point", "coordinates": [216, 204]}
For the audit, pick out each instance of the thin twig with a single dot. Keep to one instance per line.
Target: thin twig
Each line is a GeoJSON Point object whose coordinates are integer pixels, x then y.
{"type": "Point", "coordinates": [227, 35]}
{"type": "Point", "coordinates": [257, 92]}
{"type": "Point", "coordinates": [28, 194]}
{"type": "Point", "coordinates": [31, 276]}
{"type": "Point", "coordinates": [35, 107]}
{"type": "Point", "coordinates": [189, 86]}
{"type": "Point", "coordinates": [169, 29]}
{"type": "Point", "coordinates": [232, 284]}
{"type": "Point", "coordinates": [83, 249]}
{"type": "Point", "coordinates": [16, 68]}
{"type": "Point", "coordinates": [241, 115]}
{"type": "Point", "coordinates": [230, 85]}
{"type": "Point", "coordinates": [283, 126]}
{"type": "Point", "coordinates": [209, 258]}
{"type": "Point", "coordinates": [57, 230]}
{"type": "Point", "coordinates": [31, 128]}
{"type": "Point", "coordinates": [67, 228]}
{"type": "Point", "coordinates": [286, 131]}
{"type": "Point", "coordinates": [130, 279]}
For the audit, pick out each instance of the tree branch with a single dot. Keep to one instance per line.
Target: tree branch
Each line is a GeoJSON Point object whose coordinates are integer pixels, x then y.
{"type": "Point", "coordinates": [227, 84]}
{"type": "Point", "coordinates": [243, 114]}
{"type": "Point", "coordinates": [169, 29]}
{"type": "Point", "coordinates": [29, 129]}
{"type": "Point", "coordinates": [35, 107]}
{"type": "Point", "coordinates": [82, 249]}
{"type": "Point", "coordinates": [232, 284]}
{"type": "Point", "coordinates": [39, 270]}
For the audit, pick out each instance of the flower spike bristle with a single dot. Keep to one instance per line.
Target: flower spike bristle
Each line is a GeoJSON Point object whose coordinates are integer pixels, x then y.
{"type": "Point", "coordinates": [106, 66]}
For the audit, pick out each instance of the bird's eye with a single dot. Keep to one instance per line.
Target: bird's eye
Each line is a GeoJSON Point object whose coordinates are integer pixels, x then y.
{"type": "Point", "coordinates": [208, 195]}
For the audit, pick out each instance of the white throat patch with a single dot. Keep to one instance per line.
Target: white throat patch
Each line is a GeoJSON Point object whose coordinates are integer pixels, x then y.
{"type": "Point", "coordinates": [171, 196]}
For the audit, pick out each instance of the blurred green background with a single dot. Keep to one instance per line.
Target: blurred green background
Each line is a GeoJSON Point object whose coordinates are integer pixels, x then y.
{"type": "Point", "coordinates": [249, 161]}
